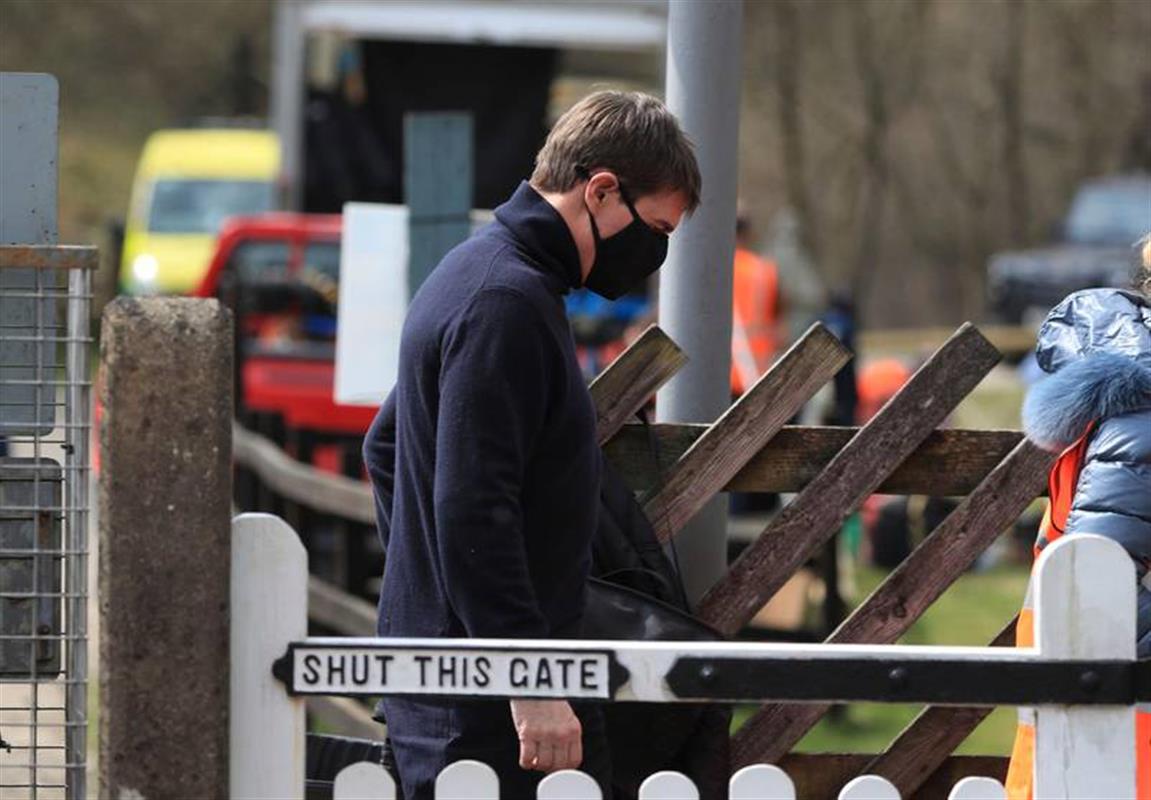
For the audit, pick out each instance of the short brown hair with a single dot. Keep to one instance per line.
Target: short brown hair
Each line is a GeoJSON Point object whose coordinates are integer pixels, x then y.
{"type": "Point", "coordinates": [629, 133]}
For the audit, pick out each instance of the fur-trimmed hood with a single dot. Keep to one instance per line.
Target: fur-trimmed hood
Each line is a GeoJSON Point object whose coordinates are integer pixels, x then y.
{"type": "Point", "coordinates": [1097, 344]}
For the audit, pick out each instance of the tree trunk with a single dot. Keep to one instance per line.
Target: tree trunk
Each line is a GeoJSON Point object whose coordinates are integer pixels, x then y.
{"type": "Point", "coordinates": [787, 74]}
{"type": "Point", "coordinates": [1011, 105]}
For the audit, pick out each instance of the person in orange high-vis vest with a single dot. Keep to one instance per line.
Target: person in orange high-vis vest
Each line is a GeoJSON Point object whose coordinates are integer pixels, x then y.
{"type": "Point", "coordinates": [755, 313]}
{"type": "Point", "coordinates": [1095, 410]}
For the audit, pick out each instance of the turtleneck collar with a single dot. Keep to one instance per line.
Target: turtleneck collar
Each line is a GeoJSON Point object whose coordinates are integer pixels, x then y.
{"type": "Point", "coordinates": [543, 236]}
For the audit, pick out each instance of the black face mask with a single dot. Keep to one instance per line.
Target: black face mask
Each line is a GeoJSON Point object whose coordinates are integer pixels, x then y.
{"type": "Point", "coordinates": [623, 261]}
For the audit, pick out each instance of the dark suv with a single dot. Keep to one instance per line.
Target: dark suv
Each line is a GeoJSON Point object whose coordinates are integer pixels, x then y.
{"type": "Point", "coordinates": [1096, 248]}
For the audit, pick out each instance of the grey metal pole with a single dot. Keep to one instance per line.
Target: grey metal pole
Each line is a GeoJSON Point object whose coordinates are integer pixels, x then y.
{"type": "Point", "coordinates": [703, 90]}
{"type": "Point", "coordinates": [287, 96]}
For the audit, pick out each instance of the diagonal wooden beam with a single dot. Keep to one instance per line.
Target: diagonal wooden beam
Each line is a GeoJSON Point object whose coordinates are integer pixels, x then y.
{"type": "Point", "coordinates": [927, 742]}
{"type": "Point", "coordinates": [949, 462]}
{"type": "Point", "coordinates": [909, 590]}
{"type": "Point", "coordinates": [798, 531]}
{"type": "Point", "coordinates": [950, 550]}
{"type": "Point", "coordinates": [734, 439]}
{"type": "Point", "coordinates": [622, 389]}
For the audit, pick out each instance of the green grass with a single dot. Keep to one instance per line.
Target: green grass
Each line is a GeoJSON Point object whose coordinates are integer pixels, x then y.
{"type": "Point", "coordinates": [995, 403]}
{"type": "Point", "coordinates": [971, 612]}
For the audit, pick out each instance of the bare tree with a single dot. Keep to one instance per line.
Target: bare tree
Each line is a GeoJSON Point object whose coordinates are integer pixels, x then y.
{"type": "Point", "coordinates": [889, 82]}
{"type": "Point", "coordinates": [787, 74]}
{"type": "Point", "coordinates": [1011, 103]}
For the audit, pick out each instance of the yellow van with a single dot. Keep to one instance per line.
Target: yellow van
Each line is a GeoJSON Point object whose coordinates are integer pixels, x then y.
{"type": "Point", "coordinates": [187, 183]}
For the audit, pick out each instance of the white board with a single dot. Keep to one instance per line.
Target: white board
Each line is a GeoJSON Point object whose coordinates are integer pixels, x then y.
{"type": "Point", "coordinates": [373, 301]}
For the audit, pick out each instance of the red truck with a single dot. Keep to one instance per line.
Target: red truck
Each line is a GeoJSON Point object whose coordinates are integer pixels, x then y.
{"type": "Point", "coordinates": [279, 273]}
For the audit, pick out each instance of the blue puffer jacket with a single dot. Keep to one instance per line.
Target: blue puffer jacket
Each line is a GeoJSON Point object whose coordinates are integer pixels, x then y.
{"type": "Point", "coordinates": [1097, 346]}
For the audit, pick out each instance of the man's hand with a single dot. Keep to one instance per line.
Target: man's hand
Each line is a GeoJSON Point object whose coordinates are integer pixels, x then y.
{"type": "Point", "coordinates": [550, 734]}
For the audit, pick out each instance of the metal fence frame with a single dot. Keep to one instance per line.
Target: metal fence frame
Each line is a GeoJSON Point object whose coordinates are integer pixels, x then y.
{"type": "Point", "coordinates": [46, 710]}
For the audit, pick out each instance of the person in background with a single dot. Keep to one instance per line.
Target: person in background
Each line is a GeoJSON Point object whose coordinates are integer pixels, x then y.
{"type": "Point", "coordinates": [755, 335]}
{"type": "Point", "coordinates": [879, 380]}
{"type": "Point", "coordinates": [1094, 408]}
{"type": "Point", "coordinates": [755, 314]}
{"type": "Point", "coordinates": [484, 461]}
{"type": "Point", "coordinates": [840, 320]}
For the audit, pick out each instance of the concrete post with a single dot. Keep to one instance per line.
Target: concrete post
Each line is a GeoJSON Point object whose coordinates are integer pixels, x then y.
{"type": "Point", "coordinates": [165, 522]}
{"type": "Point", "coordinates": [703, 90]}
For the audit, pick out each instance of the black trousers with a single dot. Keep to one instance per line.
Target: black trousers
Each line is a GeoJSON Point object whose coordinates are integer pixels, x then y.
{"type": "Point", "coordinates": [424, 736]}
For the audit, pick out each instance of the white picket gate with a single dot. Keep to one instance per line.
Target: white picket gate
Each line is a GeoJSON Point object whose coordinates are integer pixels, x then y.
{"type": "Point", "coordinates": [471, 780]}
{"type": "Point", "coordinates": [1085, 612]}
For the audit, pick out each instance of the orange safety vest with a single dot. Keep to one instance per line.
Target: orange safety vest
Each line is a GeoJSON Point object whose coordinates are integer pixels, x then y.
{"type": "Point", "coordinates": [755, 314]}
{"type": "Point", "coordinates": [1061, 484]}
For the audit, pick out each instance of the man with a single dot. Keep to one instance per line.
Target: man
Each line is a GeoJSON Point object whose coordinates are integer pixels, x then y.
{"type": "Point", "coordinates": [484, 460]}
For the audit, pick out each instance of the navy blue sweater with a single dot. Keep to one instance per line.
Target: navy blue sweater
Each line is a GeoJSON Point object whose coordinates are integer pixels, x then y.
{"type": "Point", "coordinates": [483, 459]}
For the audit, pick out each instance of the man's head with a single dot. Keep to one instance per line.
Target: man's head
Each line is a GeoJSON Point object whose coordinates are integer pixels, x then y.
{"type": "Point", "coordinates": [618, 166]}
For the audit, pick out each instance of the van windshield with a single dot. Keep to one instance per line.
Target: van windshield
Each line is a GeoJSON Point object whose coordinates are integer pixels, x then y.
{"type": "Point", "coordinates": [201, 206]}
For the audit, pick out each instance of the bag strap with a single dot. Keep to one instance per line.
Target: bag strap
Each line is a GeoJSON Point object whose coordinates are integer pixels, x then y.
{"type": "Point", "coordinates": [661, 479]}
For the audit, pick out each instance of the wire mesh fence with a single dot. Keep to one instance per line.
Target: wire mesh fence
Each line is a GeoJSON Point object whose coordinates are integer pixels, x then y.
{"type": "Point", "coordinates": [45, 294]}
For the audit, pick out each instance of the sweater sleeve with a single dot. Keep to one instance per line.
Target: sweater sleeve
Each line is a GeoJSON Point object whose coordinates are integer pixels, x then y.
{"type": "Point", "coordinates": [380, 459]}
{"type": "Point", "coordinates": [494, 378]}
{"type": "Point", "coordinates": [1113, 496]}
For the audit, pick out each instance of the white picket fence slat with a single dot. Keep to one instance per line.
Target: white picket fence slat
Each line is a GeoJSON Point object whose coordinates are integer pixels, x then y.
{"type": "Point", "coordinates": [468, 780]}
{"type": "Point", "coordinates": [869, 787]}
{"type": "Point", "coordinates": [267, 727]}
{"type": "Point", "coordinates": [668, 786]}
{"type": "Point", "coordinates": [569, 784]}
{"type": "Point", "coordinates": [364, 781]}
{"type": "Point", "coordinates": [761, 782]}
{"type": "Point", "coordinates": [978, 789]}
{"type": "Point", "coordinates": [1084, 609]}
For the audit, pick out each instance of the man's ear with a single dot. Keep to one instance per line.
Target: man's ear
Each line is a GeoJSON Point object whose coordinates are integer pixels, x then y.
{"type": "Point", "coordinates": [601, 184]}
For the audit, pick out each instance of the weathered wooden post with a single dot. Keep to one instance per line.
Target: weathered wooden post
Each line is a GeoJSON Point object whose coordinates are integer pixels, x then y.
{"type": "Point", "coordinates": [165, 522]}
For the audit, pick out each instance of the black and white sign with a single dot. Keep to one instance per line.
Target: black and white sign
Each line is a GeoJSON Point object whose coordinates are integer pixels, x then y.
{"type": "Point", "coordinates": [347, 670]}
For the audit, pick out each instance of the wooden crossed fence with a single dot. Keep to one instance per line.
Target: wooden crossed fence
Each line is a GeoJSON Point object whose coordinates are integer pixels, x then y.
{"type": "Point", "coordinates": [833, 470]}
